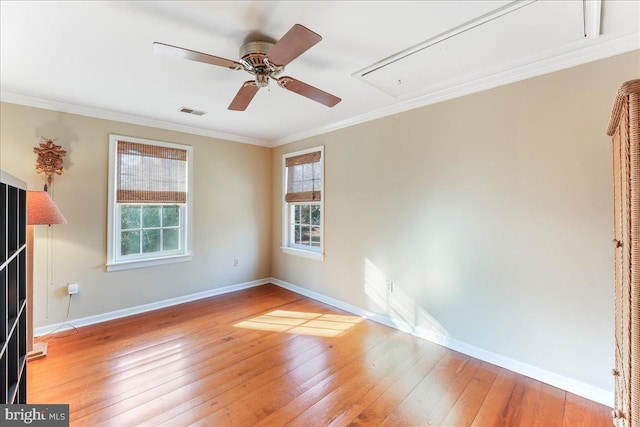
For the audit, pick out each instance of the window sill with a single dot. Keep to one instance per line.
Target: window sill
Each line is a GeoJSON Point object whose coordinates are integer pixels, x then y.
{"type": "Point", "coordinates": [130, 265]}
{"type": "Point", "coordinates": [302, 253]}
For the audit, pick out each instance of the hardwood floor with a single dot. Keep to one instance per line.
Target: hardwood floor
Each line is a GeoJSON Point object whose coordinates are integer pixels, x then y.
{"type": "Point", "coordinates": [269, 357]}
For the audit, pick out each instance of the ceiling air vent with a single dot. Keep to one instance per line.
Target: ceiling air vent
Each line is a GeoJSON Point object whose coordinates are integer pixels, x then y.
{"type": "Point", "coordinates": [192, 111]}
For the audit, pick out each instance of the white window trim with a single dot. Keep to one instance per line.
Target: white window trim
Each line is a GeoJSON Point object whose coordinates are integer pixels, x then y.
{"type": "Point", "coordinates": [303, 253]}
{"type": "Point", "coordinates": [297, 250]}
{"type": "Point", "coordinates": [112, 263]}
{"type": "Point", "coordinates": [143, 263]}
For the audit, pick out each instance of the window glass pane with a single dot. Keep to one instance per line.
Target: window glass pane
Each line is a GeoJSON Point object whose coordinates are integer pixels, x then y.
{"type": "Point", "coordinates": [150, 241]}
{"type": "Point", "coordinates": [315, 215]}
{"type": "Point", "coordinates": [130, 242]}
{"type": "Point", "coordinates": [308, 177]}
{"type": "Point", "coordinates": [305, 236]}
{"type": "Point", "coordinates": [151, 216]}
{"type": "Point", "coordinates": [130, 217]}
{"type": "Point", "coordinates": [304, 215]}
{"type": "Point", "coordinates": [170, 239]}
{"type": "Point", "coordinates": [315, 236]}
{"type": "Point", "coordinates": [305, 224]}
{"type": "Point", "coordinates": [170, 216]}
{"type": "Point", "coordinates": [296, 173]}
{"type": "Point", "coordinates": [307, 171]}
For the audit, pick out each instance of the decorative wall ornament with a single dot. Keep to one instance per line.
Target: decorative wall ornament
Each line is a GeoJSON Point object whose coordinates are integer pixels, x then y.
{"type": "Point", "coordinates": [49, 158]}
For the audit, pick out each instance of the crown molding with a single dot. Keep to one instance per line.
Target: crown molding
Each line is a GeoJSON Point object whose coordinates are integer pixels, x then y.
{"type": "Point", "coordinates": [30, 101]}
{"type": "Point", "coordinates": [582, 52]}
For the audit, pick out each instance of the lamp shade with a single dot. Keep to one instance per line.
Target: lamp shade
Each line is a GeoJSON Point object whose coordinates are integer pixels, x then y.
{"type": "Point", "coordinates": [42, 210]}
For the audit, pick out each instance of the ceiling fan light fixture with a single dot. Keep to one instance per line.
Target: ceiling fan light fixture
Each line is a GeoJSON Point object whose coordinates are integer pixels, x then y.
{"type": "Point", "coordinates": [262, 80]}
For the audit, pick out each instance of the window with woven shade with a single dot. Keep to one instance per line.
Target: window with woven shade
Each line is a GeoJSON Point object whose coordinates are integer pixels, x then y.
{"type": "Point", "coordinates": [149, 203]}
{"type": "Point", "coordinates": [303, 203]}
{"type": "Point", "coordinates": [304, 177]}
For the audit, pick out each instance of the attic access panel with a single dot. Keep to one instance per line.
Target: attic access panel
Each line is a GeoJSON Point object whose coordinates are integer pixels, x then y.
{"type": "Point", "coordinates": [498, 41]}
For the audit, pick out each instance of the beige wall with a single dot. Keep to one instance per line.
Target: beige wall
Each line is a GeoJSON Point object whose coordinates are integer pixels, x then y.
{"type": "Point", "coordinates": [231, 215]}
{"type": "Point", "coordinates": [491, 213]}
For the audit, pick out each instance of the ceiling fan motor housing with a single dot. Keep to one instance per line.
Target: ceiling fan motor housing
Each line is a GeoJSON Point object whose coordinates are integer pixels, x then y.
{"type": "Point", "coordinates": [255, 52]}
{"type": "Point", "coordinates": [254, 56]}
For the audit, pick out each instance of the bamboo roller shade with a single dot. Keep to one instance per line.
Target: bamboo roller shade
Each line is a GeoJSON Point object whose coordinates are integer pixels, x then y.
{"type": "Point", "coordinates": [151, 174]}
{"type": "Point", "coordinates": [304, 178]}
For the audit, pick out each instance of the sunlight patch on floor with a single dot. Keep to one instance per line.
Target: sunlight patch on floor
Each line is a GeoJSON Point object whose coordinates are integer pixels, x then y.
{"type": "Point", "coordinates": [300, 322]}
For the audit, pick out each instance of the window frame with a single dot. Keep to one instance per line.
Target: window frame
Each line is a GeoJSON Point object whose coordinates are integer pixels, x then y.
{"type": "Point", "coordinates": [312, 252]}
{"type": "Point", "coordinates": [116, 262]}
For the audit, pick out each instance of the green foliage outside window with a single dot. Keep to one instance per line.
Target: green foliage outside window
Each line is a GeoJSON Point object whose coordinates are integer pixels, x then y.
{"type": "Point", "coordinates": [149, 228]}
{"type": "Point", "coordinates": [306, 224]}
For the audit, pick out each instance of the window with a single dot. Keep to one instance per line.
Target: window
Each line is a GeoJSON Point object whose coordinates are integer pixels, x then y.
{"type": "Point", "coordinates": [149, 203]}
{"type": "Point", "coordinates": [303, 209]}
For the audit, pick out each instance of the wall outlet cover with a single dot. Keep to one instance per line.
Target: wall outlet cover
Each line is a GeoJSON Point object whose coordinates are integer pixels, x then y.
{"type": "Point", "coordinates": [72, 288]}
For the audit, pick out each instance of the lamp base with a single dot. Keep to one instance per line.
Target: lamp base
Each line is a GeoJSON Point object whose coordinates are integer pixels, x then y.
{"type": "Point", "coordinates": [39, 351]}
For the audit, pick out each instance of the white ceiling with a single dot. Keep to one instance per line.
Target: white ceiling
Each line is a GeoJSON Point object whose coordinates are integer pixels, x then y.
{"type": "Point", "coordinates": [96, 58]}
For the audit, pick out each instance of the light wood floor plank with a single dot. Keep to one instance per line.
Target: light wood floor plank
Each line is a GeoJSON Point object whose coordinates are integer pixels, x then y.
{"type": "Point", "coordinates": [326, 386]}
{"type": "Point", "coordinates": [214, 375]}
{"type": "Point", "coordinates": [470, 400]}
{"type": "Point", "coordinates": [384, 405]}
{"type": "Point", "coordinates": [550, 410]}
{"type": "Point", "coordinates": [450, 396]}
{"type": "Point", "coordinates": [269, 357]}
{"type": "Point", "coordinates": [262, 403]}
{"type": "Point", "coordinates": [355, 384]}
{"type": "Point", "coordinates": [577, 411]}
{"type": "Point", "coordinates": [379, 387]}
{"type": "Point", "coordinates": [422, 400]}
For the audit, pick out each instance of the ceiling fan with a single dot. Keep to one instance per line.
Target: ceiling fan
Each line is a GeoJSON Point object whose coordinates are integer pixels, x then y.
{"type": "Point", "coordinates": [265, 60]}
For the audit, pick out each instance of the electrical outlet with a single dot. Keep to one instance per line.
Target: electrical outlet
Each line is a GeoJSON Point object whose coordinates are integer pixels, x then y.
{"type": "Point", "coordinates": [72, 288]}
{"type": "Point", "coordinates": [389, 285]}
{"type": "Point", "coordinates": [236, 262]}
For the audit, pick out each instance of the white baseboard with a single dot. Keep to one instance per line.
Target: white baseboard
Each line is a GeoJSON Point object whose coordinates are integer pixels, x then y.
{"type": "Point", "coordinates": [90, 320]}
{"type": "Point", "coordinates": [579, 388]}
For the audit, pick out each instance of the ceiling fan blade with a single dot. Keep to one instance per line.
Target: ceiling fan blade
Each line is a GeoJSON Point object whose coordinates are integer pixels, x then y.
{"type": "Point", "coordinates": [308, 91]}
{"type": "Point", "coordinates": [244, 96]}
{"type": "Point", "coordinates": [293, 44]}
{"type": "Point", "coordinates": [192, 55]}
